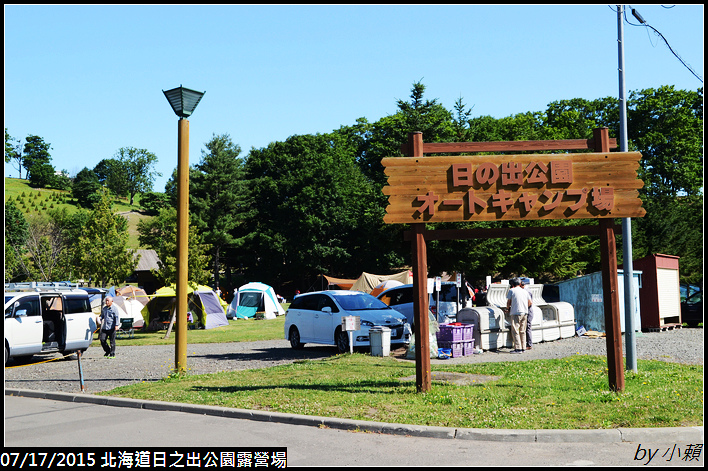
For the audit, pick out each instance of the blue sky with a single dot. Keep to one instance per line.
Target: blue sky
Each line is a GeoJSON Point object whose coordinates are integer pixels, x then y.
{"type": "Point", "coordinates": [89, 79]}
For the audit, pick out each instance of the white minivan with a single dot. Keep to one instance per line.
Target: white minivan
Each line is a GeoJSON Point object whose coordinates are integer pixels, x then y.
{"type": "Point", "coordinates": [46, 318]}
{"type": "Point", "coordinates": [317, 318]}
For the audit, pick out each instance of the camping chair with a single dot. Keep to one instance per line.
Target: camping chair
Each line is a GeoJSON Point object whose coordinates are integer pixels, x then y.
{"type": "Point", "coordinates": [126, 329]}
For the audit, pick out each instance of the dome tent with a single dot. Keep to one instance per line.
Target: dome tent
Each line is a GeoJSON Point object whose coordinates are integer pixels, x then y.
{"type": "Point", "coordinates": [130, 301]}
{"type": "Point", "coordinates": [204, 304]}
{"type": "Point", "coordinates": [255, 297]}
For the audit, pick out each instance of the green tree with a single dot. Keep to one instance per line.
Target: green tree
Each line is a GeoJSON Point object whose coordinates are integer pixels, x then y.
{"type": "Point", "coordinates": [13, 266]}
{"type": "Point", "coordinates": [42, 175]}
{"type": "Point", "coordinates": [16, 235]}
{"type": "Point", "coordinates": [44, 246]}
{"type": "Point", "coordinates": [152, 202]}
{"type": "Point", "coordinates": [71, 225]}
{"type": "Point", "coordinates": [137, 167]}
{"type": "Point", "coordinates": [13, 151]}
{"type": "Point", "coordinates": [36, 160]}
{"type": "Point", "coordinates": [160, 234]}
{"type": "Point", "coordinates": [461, 121]}
{"type": "Point", "coordinates": [86, 188]}
{"type": "Point", "coordinates": [111, 174]}
{"type": "Point", "coordinates": [218, 196]}
{"type": "Point", "coordinates": [16, 226]}
{"type": "Point", "coordinates": [102, 248]}
{"type": "Point", "coordinates": [385, 137]}
{"type": "Point", "coordinates": [666, 126]}
{"type": "Point", "coordinates": [311, 204]}
{"type": "Point", "coordinates": [576, 118]}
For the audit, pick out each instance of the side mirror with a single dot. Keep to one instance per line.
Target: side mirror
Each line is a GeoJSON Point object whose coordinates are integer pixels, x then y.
{"type": "Point", "coordinates": [327, 309]}
{"type": "Point", "coordinates": [21, 313]}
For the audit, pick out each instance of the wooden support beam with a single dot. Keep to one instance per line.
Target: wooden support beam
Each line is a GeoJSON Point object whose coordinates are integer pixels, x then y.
{"type": "Point", "coordinates": [610, 292]}
{"type": "Point", "coordinates": [511, 232]}
{"type": "Point", "coordinates": [503, 146]}
{"type": "Point", "coordinates": [420, 289]}
{"type": "Point", "coordinates": [420, 308]}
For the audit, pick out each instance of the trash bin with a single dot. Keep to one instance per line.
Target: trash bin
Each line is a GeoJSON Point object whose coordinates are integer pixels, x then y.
{"type": "Point", "coordinates": [380, 340]}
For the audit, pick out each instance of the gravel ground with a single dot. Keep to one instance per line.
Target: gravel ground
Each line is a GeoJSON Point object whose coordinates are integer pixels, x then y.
{"type": "Point", "coordinates": [152, 363]}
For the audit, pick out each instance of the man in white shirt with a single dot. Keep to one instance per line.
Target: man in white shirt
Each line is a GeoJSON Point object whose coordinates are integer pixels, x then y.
{"type": "Point", "coordinates": [518, 304]}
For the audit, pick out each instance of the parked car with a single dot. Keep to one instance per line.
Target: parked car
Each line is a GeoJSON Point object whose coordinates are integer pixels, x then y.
{"type": "Point", "coordinates": [692, 309]}
{"type": "Point", "coordinates": [400, 298]}
{"type": "Point", "coordinates": [46, 319]}
{"type": "Point", "coordinates": [317, 318]}
{"type": "Point", "coordinates": [686, 290]}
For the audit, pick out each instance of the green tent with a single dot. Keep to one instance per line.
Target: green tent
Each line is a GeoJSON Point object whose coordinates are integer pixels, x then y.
{"type": "Point", "coordinates": [206, 308]}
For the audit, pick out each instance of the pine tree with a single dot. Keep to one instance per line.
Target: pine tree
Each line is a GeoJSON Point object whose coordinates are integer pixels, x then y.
{"type": "Point", "coordinates": [102, 249]}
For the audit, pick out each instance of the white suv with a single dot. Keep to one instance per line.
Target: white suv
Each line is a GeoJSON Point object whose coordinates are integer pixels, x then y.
{"type": "Point", "coordinates": [46, 318]}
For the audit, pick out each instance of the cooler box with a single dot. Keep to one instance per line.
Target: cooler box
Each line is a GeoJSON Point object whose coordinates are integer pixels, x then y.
{"type": "Point", "coordinates": [487, 322]}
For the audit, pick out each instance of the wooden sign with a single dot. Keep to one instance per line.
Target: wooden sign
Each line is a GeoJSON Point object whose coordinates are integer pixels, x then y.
{"type": "Point", "coordinates": [512, 187]}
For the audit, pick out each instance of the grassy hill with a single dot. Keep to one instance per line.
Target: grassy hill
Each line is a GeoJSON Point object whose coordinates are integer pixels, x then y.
{"type": "Point", "coordinates": [39, 200]}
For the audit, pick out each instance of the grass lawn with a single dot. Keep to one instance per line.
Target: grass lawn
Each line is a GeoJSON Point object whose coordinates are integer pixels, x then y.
{"type": "Point", "coordinates": [570, 393]}
{"type": "Point", "coordinates": [35, 201]}
{"type": "Point", "coordinates": [242, 330]}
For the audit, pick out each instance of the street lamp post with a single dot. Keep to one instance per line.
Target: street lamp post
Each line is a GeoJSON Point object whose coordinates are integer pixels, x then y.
{"type": "Point", "coordinates": [627, 262]}
{"type": "Point", "coordinates": [183, 102]}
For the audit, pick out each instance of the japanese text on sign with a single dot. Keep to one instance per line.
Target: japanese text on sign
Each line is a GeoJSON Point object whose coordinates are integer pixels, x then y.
{"type": "Point", "coordinates": [512, 187]}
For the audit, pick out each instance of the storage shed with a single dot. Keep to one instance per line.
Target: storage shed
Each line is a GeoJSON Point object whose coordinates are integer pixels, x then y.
{"type": "Point", "coordinates": [586, 295]}
{"type": "Point", "coordinates": [660, 294]}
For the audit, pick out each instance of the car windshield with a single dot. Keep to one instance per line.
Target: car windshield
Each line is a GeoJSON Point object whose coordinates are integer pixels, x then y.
{"type": "Point", "coordinates": [359, 302]}
{"type": "Point", "coordinates": [448, 293]}
{"type": "Point", "coordinates": [695, 298]}
{"type": "Point", "coordinates": [7, 298]}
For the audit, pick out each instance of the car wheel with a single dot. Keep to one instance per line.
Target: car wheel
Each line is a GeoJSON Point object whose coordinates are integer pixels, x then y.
{"type": "Point", "coordinates": [7, 354]}
{"type": "Point", "coordinates": [295, 338]}
{"type": "Point", "coordinates": [342, 338]}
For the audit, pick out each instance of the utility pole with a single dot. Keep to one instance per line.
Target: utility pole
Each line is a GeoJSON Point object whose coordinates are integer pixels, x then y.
{"type": "Point", "coordinates": [630, 337]}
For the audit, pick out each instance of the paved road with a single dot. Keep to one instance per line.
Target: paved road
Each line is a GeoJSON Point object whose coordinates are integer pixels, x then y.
{"type": "Point", "coordinates": [69, 421]}
{"type": "Point", "coordinates": [32, 422]}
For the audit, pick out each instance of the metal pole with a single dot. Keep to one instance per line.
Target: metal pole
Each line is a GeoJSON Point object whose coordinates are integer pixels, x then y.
{"type": "Point", "coordinates": [182, 244]}
{"type": "Point", "coordinates": [81, 372]}
{"type": "Point", "coordinates": [630, 337]}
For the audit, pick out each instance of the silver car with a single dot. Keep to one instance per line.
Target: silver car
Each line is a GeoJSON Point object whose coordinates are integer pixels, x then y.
{"type": "Point", "coordinates": [317, 318]}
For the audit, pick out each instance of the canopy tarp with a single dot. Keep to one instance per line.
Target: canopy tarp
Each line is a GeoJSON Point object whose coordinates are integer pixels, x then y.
{"type": "Point", "coordinates": [342, 283]}
{"type": "Point", "coordinates": [367, 281]}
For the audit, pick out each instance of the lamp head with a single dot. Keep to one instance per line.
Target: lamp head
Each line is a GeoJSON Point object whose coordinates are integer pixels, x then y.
{"type": "Point", "coordinates": [183, 100]}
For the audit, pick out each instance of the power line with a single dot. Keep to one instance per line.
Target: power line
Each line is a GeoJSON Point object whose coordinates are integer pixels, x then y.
{"type": "Point", "coordinates": [643, 22]}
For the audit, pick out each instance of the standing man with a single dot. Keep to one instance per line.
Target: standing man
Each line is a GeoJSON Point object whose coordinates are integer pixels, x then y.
{"type": "Point", "coordinates": [110, 322]}
{"type": "Point", "coordinates": [529, 335]}
{"type": "Point", "coordinates": [518, 304]}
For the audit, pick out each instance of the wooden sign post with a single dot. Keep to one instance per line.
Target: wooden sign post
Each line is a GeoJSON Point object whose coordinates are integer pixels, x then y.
{"type": "Point", "coordinates": [599, 185]}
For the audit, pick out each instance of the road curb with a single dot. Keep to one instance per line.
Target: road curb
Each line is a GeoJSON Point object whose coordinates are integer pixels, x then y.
{"type": "Point", "coordinates": [678, 435]}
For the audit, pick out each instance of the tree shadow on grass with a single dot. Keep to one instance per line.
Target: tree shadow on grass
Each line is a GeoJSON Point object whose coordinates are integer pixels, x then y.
{"type": "Point", "coordinates": [388, 386]}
